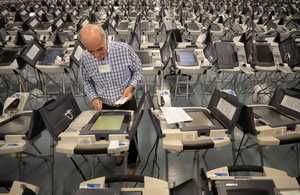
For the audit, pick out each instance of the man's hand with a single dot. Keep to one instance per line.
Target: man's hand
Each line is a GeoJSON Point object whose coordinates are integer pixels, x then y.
{"type": "Point", "coordinates": [128, 92]}
{"type": "Point", "coordinates": [96, 104]}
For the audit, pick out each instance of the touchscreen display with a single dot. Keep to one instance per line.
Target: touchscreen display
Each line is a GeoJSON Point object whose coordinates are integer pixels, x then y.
{"type": "Point", "coordinates": [108, 123]}
{"type": "Point", "coordinates": [186, 58]}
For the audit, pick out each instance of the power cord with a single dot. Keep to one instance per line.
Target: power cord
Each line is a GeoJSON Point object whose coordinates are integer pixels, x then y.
{"type": "Point", "coordinates": [148, 157]}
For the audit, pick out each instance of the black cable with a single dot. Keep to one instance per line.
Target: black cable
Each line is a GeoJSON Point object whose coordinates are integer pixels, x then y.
{"type": "Point", "coordinates": [154, 159]}
{"type": "Point", "coordinates": [147, 159]}
{"type": "Point", "coordinates": [148, 156]}
{"type": "Point", "coordinates": [155, 163]}
{"type": "Point", "coordinates": [239, 150]}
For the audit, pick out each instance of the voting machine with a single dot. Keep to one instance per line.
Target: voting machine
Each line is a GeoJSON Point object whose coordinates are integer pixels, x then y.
{"type": "Point", "coordinates": [266, 181]}
{"type": "Point", "coordinates": [208, 127]}
{"type": "Point", "coordinates": [18, 126]}
{"type": "Point", "coordinates": [289, 49]}
{"type": "Point", "coordinates": [47, 63]}
{"type": "Point", "coordinates": [124, 30]}
{"type": "Point", "coordinates": [9, 60]}
{"type": "Point", "coordinates": [151, 61]}
{"type": "Point", "coordinates": [231, 57]}
{"type": "Point", "coordinates": [263, 54]}
{"type": "Point", "coordinates": [149, 34]}
{"type": "Point", "coordinates": [42, 29]}
{"type": "Point", "coordinates": [190, 61]}
{"type": "Point", "coordinates": [194, 30]}
{"type": "Point", "coordinates": [87, 132]}
{"type": "Point", "coordinates": [274, 124]}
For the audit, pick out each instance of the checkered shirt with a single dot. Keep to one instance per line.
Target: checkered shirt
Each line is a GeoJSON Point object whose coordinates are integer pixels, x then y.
{"type": "Point", "coordinates": [126, 69]}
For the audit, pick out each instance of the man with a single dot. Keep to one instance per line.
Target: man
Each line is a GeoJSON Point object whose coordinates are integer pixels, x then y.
{"type": "Point", "coordinates": [110, 71]}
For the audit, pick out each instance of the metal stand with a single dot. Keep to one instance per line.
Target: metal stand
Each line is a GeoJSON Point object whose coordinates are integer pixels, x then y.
{"type": "Point", "coordinates": [52, 165]}
{"type": "Point", "coordinates": [167, 166]}
{"type": "Point", "coordinates": [297, 156]}
{"type": "Point", "coordinates": [20, 167]}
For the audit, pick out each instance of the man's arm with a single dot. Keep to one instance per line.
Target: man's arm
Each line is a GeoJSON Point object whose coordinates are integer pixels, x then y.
{"type": "Point", "coordinates": [137, 74]}
{"type": "Point", "coordinates": [89, 88]}
{"type": "Point", "coordinates": [136, 68]}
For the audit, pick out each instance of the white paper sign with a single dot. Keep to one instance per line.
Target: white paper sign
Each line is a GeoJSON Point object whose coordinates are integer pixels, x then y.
{"type": "Point", "coordinates": [226, 108]}
{"type": "Point", "coordinates": [78, 53]}
{"type": "Point", "coordinates": [175, 115]}
{"type": "Point", "coordinates": [33, 23]}
{"type": "Point", "coordinates": [28, 37]}
{"type": "Point", "coordinates": [291, 103]}
{"type": "Point", "coordinates": [59, 23]}
{"type": "Point", "coordinates": [34, 50]}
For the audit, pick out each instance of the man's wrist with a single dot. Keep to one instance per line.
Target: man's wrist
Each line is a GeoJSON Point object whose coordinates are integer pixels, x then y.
{"type": "Point", "coordinates": [96, 98]}
{"type": "Point", "coordinates": [132, 83]}
{"type": "Point", "coordinates": [131, 87]}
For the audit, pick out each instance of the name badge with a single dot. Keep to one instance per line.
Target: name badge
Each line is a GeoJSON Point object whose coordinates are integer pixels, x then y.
{"type": "Point", "coordinates": [104, 68]}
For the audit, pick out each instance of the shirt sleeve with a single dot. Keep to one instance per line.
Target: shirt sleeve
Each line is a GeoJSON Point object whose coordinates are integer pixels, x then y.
{"type": "Point", "coordinates": [87, 82]}
{"type": "Point", "coordinates": [135, 68]}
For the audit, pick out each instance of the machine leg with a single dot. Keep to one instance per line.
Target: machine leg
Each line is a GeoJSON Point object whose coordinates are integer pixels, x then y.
{"type": "Point", "coordinates": [20, 167]}
{"type": "Point", "coordinates": [261, 154]}
{"type": "Point", "coordinates": [167, 165]}
{"type": "Point", "coordinates": [297, 156]}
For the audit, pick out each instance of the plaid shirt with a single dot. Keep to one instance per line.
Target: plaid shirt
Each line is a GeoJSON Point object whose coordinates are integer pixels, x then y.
{"type": "Point", "coordinates": [125, 70]}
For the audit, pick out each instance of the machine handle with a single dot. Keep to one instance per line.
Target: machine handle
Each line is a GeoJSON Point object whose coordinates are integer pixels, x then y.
{"type": "Point", "coordinates": [124, 178]}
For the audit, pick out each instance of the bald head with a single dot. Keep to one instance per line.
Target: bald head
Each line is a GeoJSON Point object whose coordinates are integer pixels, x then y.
{"type": "Point", "coordinates": [91, 33]}
{"type": "Point", "coordinates": [93, 38]}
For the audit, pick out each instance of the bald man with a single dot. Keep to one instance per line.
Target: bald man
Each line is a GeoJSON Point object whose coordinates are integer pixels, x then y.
{"type": "Point", "coordinates": [110, 71]}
